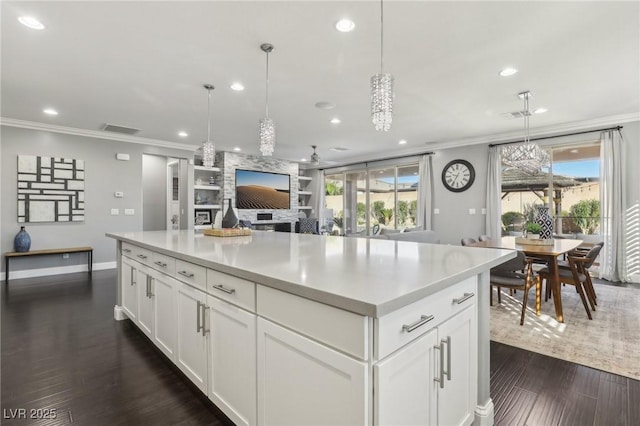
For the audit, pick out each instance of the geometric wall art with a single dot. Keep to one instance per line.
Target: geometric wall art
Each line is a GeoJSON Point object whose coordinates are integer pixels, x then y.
{"type": "Point", "coordinates": [50, 189]}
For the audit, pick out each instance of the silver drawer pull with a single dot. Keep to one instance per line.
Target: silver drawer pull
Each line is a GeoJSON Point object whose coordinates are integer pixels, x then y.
{"type": "Point", "coordinates": [161, 264]}
{"type": "Point", "coordinates": [440, 378]}
{"type": "Point", "coordinates": [186, 274]}
{"type": "Point", "coordinates": [142, 256]}
{"type": "Point", "coordinates": [126, 250]}
{"type": "Point", "coordinates": [422, 321]}
{"type": "Point", "coordinates": [464, 298]}
{"type": "Point", "coordinates": [226, 290]}
{"type": "Point", "coordinates": [133, 276]}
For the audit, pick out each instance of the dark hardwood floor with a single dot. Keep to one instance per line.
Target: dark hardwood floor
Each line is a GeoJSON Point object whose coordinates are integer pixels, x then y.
{"type": "Point", "coordinates": [62, 350]}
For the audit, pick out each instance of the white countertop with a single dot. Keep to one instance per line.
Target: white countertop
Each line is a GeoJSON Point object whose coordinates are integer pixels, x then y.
{"type": "Point", "coordinates": [367, 276]}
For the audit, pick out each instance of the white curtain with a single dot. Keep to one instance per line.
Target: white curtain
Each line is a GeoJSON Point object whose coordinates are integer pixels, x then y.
{"type": "Point", "coordinates": [317, 190]}
{"type": "Point", "coordinates": [425, 192]}
{"type": "Point", "coordinates": [613, 207]}
{"type": "Point", "coordinates": [493, 226]}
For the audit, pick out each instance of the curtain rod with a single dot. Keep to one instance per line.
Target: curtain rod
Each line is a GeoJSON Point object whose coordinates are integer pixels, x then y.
{"type": "Point", "coordinates": [559, 136]}
{"type": "Point", "coordinates": [366, 163]}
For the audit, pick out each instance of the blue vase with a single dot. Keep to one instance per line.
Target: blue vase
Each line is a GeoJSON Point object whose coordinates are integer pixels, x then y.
{"type": "Point", "coordinates": [22, 241]}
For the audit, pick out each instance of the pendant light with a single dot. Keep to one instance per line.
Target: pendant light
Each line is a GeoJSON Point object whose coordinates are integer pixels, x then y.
{"type": "Point", "coordinates": [382, 89]}
{"type": "Point", "coordinates": [315, 158]}
{"type": "Point", "coordinates": [267, 128]}
{"type": "Point", "coordinates": [208, 147]}
{"type": "Point", "coordinates": [526, 156]}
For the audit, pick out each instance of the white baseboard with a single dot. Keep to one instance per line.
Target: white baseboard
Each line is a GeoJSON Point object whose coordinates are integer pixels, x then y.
{"type": "Point", "coordinates": [42, 272]}
{"type": "Point", "coordinates": [635, 278]}
{"type": "Point", "coordinates": [119, 314]}
{"type": "Point", "coordinates": [484, 414]}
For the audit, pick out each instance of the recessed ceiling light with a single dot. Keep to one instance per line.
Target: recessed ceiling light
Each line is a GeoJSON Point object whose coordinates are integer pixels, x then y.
{"type": "Point", "coordinates": [237, 148]}
{"type": "Point", "coordinates": [31, 22]}
{"type": "Point", "coordinates": [238, 87]}
{"type": "Point", "coordinates": [335, 120]}
{"type": "Point", "coordinates": [574, 151]}
{"type": "Point", "coordinates": [345, 25]}
{"type": "Point", "coordinates": [183, 134]}
{"type": "Point", "coordinates": [508, 71]}
{"type": "Point", "coordinates": [402, 141]}
{"type": "Point", "coordinates": [540, 110]}
{"type": "Point", "coordinates": [50, 111]}
{"type": "Point", "coordinates": [325, 105]}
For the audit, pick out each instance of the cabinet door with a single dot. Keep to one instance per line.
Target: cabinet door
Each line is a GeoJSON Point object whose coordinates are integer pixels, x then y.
{"type": "Point", "coordinates": [232, 357]}
{"type": "Point", "coordinates": [192, 340]}
{"type": "Point", "coordinates": [129, 290]}
{"type": "Point", "coordinates": [165, 330]}
{"type": "Point", "coordinates": [406, 393]}
{"type": "Point", "coordinates": [145, 300]}
{"type": "Point", "coordinates": [457, 399]}
{"type": "Point", "coordinates": [302, 382]}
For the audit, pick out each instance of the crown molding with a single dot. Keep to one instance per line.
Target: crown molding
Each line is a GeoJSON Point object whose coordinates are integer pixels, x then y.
{"type": "Point", "coordinates": [99, 134]}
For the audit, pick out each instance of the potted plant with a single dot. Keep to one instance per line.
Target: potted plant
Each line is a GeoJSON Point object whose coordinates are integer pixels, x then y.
{"type": "Point", "coordinates": [532, 230]}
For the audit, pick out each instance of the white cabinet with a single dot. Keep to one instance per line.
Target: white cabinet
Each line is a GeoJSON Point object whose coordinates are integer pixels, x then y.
{"type": "Point", "coordinates": [206, 200]}
{"type": "Point", "coordinates": [191, 355]}
{"type": "Point", "coordinates": [128, 278]}
{"type": "Point", "coordinates": [432, 380]}
{"type": "Point", "coordinates": [165, 325]}
{"type": "Point", "coordinates": [145, 300]}
{"type": "Point", "coordinates": [302, 382]}
{"type": "Point", "coordinates": [232, 357]}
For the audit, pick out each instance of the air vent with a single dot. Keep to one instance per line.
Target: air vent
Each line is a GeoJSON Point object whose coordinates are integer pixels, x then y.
{"type": "Point", "coordinates": [515, 114]}
{"type": "Point", "coordinates": [119, 129]}
{"type": "Point", "coordinates": [338, 149]}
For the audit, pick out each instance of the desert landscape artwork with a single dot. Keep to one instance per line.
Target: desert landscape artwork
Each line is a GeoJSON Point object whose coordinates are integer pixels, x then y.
{"type": "Point", "coordinates": [262, 190]}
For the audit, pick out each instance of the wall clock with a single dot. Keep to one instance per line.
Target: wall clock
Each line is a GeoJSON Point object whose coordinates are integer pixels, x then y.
{"type": "Point", "coordinates": [458, 175]}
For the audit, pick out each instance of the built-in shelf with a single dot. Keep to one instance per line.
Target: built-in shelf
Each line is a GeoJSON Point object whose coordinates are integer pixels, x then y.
{"type": "Point", "coordinates": [200, 227]}
{"type": "Point", "coordinates": [304, 178]}
{"type": "Point", "coordinates": [207, 187]}
{"type": "Point", "coordinates": [207, 206]}
{"type": "Point", "coordinates": [207, 169]}
{"type": "Point", "coordinates": [304, 207]}
{"type": "Point", "coordinates": [304, 192]}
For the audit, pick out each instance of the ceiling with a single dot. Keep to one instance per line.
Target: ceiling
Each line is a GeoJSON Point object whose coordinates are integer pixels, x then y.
{"type": "Point", "coordinates": [143, 65]}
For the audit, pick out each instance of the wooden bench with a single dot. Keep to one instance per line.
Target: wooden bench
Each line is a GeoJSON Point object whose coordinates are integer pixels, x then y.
{"type": "Point", "coordinates": [11, 254]}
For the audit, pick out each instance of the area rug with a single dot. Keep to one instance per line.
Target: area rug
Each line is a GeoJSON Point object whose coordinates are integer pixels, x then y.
{"type": "Point", "coordinates": [609, 342]}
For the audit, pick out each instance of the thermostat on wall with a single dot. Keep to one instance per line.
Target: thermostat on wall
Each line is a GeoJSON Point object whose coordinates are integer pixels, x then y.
{"type": "Point", "coordinates": [122, 157]}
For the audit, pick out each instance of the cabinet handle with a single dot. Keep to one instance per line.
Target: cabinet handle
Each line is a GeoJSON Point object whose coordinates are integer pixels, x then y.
{"type": "Point", "coordinates": [148, 285]}
{"type": "Point", "coordinates": [133, 276]}
{"type": "Point", "coordinates": [465, 297]}
{"type": "Point", "coordinates": [440, 378]}
{"type": "Point", "coordinates": [205, 330]}
{"type": "Point", "coordinates": [142, 256]}
{"type": "Point", "coordinates": [447, 341]}
{"type": "Point", "coordinates": [151, 287]}
{"type": "Point", "coordinates": [126, 250]}
{"type": "Point", "coordinates": [422, 321]}
{"type": "Point", "coordinates": [186, 274]}
{"type": "Point", "coordinates": [198, 320]}
{"type": "Point", "coordinates": [161, 264]}
{"type": "Point", "coordinates": [223, 289]}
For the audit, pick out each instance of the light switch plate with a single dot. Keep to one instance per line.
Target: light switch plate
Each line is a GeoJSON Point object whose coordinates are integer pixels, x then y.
{"type": "Point", "coordinates": [115, 212]}
{"type": "Point", "coordinates": [436, 211]}
{"type": "Point", "coordinates": [129, 212]}
{"type": "Point", "coordinates": [484, 211]}
{"type": "Point", "coordinates": [472, 211]}
{"type": "Point", "coordinates": [118, 194]}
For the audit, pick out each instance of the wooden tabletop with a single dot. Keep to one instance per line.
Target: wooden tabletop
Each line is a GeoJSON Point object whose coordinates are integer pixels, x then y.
{"type": "Point", "coordinates": [559, 246]}
{"type": "Point", "coordinates": [48, 251]}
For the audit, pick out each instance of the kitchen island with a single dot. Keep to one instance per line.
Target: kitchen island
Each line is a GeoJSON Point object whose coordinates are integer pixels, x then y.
{"type": "Point", "coordinates": [280, 328]}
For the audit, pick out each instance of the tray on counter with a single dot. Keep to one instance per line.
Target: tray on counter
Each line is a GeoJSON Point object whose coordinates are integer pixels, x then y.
{"type": "Point", "coordinates": [227, 232]}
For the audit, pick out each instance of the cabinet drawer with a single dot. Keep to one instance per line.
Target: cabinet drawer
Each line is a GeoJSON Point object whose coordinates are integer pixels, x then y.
{"type": "Point", "coordinates": [335, 327]}
{"type": "Point", "coordinates": [137, 253]}
{"type": "Point", "coordinates": [400, 327]}
{"type": "Point", "coordinates": [163, 263]}
{"type": "Point", "coordinates": [189, 273]}
{"type": "Point", "coordinates": [232, 289]}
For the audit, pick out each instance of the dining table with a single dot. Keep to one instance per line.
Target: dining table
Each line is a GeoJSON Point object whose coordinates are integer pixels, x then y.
{"type": "Point", "coordinates": [548, 253]}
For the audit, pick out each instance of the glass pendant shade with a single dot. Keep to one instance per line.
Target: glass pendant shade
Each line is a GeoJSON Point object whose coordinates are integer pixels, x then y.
{"type": "Point", "coordinates": [267, 136]}
{"type": "Point", "coordinates": [208, 147]}
{"type": "Point", "coordinates": [382, 101]}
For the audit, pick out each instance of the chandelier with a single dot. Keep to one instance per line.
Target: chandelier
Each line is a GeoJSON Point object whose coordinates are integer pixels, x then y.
{"type": "Point", "coordinates": [382, 89]}
{"type": "Point", "coordinates": [315, 158]}
{"type": "Point", "coordinates": [526, 156]}
{"type": "Point", "coordinates": [267, 128]}
{"type": "Point", "coordinates": [208, 147]}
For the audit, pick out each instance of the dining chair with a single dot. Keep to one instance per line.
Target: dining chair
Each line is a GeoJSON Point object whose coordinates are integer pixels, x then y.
{"type": "Point", "coordinates": [484, 238]}
{"type": "Point", "coordinates": [577, 275]}
{"type": "Point", "coordinates": [467, 241]}
{"type": "Point", "coordinates": [510, 275]}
